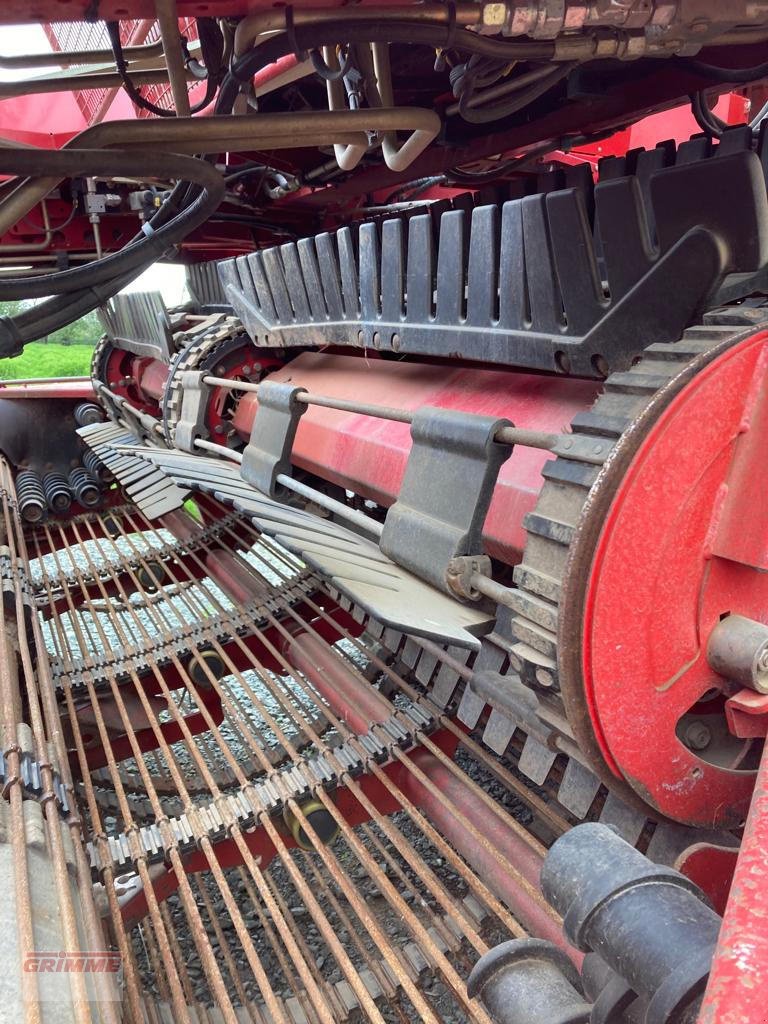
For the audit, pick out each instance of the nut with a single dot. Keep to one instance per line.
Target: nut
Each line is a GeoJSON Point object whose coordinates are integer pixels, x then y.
{"type": "Point", "coordinates": [697, 736]}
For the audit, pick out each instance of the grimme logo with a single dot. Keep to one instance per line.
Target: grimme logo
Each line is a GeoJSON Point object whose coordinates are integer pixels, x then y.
{"type": "Point", "coordinates": [104, 961]}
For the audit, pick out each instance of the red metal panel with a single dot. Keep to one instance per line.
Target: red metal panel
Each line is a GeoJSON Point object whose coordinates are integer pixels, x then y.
{"type": "Point", "coordinates": [17, 12]}
{"type": "Point", "coordinates": [369, 455]}
{"type": "Point", "coordinates": [738, 985]}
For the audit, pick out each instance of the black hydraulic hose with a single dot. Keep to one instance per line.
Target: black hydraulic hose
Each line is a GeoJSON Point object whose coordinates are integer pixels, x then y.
{"type": "Point", "coordinates": [310, 37]}
{"type": "Point", "coordinates": [705, 117]}
{"type": "Point", "coordinates": [141, 252]}
{"type": "Point", "coordinates": [212, 42]}
{"type": "Point", "coordinates": [517, 98]}
{"type": "Point", "coordinates": [718, 74]}
{"type": "Point", "coordinates": [55, 313]}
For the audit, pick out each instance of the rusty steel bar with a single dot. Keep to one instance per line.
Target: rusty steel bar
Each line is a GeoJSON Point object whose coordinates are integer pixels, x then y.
{"type": "Point", "coordinates": [469, 822]}
{"type": "Point", "coordinates": [538, 806]}
{"type": "Point", "coordinates": [76, 919]}
{"type": "Point", "coordinates": [351, 979]}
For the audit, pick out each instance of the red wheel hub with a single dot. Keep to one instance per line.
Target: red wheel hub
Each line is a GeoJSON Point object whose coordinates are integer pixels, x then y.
{"type": "Point", "coordinates": [683, 543]}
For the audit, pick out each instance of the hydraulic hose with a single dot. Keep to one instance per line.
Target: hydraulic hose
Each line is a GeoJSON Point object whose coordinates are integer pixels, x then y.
{"type": "Point", "coordinates": [61, 310]}
{"type": "Point", "coordinates": [141, 252]}
{"type": "Point", "coordinates": [311, 37]}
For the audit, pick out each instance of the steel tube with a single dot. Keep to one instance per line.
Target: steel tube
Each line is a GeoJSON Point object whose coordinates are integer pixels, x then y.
{"type": "Point", "coordinates": [168, 20]}
{"type": "Point", "coordinates": [254, 25]}
{"type": "Point", "coordinates": [357, 704]}
{"type": "Point", "coordinates": [292, 130]}
{"type": "Point", "coordinates": [65, 58]}
{"type": "Point", "coordinates": [71, 83]}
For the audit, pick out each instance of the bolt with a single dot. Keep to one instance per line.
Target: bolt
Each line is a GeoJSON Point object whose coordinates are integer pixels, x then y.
{"type": "Point", "coordinates": [544, 678]}
{"type": "Point", "coordinates": [697, 736]}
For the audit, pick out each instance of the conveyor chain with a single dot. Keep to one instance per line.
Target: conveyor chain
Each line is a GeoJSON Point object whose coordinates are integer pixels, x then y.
{"type": "Point", "coordinates": [269, 795]}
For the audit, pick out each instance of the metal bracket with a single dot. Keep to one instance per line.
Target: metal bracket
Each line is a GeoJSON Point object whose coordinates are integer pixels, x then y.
{"type": "Point", "coordinates": [268, 453]}
{"type": "Point", "coordinates": [446, 491]}
{"type": "Point", "coordinates": [194, 406]}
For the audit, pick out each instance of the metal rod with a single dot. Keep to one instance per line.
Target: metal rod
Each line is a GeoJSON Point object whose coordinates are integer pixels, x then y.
{"type": "Point", "coordinates": [168, 20]}
{"type": "Point", "coordinates": [73, 57]}
{"type": "Point", "coordinates": [506, 435]}
{"type": "Point", "coordinates": [89, 80]}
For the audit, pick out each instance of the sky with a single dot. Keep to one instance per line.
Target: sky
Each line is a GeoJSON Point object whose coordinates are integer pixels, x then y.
{"type": "Point", "coordinates": [15, 39]}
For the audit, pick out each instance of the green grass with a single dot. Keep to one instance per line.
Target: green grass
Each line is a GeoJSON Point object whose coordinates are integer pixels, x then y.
{"type": "Point", "coordinates": [51, 360]}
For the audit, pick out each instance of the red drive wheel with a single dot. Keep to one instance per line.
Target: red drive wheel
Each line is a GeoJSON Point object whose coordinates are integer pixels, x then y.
{"type": "Point", "coordinates": [673, 538]}
{"type": "Point", "coordinates": [122, 372]}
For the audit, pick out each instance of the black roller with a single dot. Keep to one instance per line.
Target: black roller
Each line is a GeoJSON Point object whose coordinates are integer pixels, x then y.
{"type": "Point", "coordinates": [57, 493]}
{"type": "Point", "coordinates": [195, 668]}
{"type": "Point", "coordinates": [30, 496]}
{"type": "Point", "coordinates": [85, 489]}
{"type": "Point", "coordinates": [87, 413]}
{"type": "Point", "coordinates": [95, 466]}
{"type": "Point", "coordinates": [151, 575]}
{"type": "Point", "coordinates": [528, 981]}
{"type": "Point", "coordinates": [111, 525]}
{"type": "Point", "coordinates": [649, 923]}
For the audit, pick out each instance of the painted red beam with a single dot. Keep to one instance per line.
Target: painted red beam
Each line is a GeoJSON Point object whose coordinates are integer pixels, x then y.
{"type": "Point", "coordinates": [737, 992]}
{"type": "Point", "coordinates": [13, 12]}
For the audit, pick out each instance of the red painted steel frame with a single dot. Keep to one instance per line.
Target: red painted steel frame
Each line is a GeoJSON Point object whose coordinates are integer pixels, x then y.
{"type": "Point", "coordinates": [738, 985]}
{"type": "Point", "coordinates": [20, 11]}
